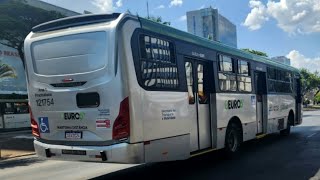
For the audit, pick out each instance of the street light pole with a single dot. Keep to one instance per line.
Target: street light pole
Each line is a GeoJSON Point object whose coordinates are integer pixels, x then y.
{"type": "Point", "coordinates": [148, 10]}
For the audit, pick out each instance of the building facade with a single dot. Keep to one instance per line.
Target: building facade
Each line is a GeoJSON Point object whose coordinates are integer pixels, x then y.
{"type": "Point", "coordinates": [282, 59]}
{"type": "Point", "coordinates": [50, 7]}
{"type": "Point", "coordinates": [208, 23]}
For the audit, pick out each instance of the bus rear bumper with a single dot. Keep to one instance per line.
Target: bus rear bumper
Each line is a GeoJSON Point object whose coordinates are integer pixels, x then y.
{"type": "Point", "coordinates": [118, 153]}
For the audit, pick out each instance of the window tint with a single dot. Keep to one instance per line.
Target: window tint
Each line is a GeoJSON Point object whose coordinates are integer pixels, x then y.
{"type": "Point", "coordinates": [227, 82]}
{"type": "Point", "coordinates": [243, 67]}
{"type": "Point", "coordinates": [21, 108]}
{"type": "Point", "coordinates": [244, 83]}
{"type": "Point", "coordinates": [279, 80]}
{"type": "Point", "coordinates": [156, 49]}
{"type": "Point", "coordinates": [244, 78]}
{"type": "Point", "coordinates": [203, 84]}
{"type": "Point", "coordinates": [271, 73]}
{"type": "Point", "coordinates": [226, 64]}
{"type": "Point", "coordinates": [16, 108]}
{"type": "Point", "coordinates": [158, 68]}
{"type": "Point", "coordinates": [189, 76]}
{"type": "Point", "coordinates": [159, 75]}
{"type": "Point", "coordinates": [271, 85]}
{"type": "Point", "coordinates": [8, 108]}
{"type": "Point", "coordinates": [88, 100]}
{"type": "Point", "coordinates": [227, 77]}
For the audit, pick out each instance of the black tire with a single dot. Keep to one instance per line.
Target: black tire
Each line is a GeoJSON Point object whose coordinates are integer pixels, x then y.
{"type": "Point", "coordinates": [286, 132]}
{"type": "Point", "coordinates": [233, 139]}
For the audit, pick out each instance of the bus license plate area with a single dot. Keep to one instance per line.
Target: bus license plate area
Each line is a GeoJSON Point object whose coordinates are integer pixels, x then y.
{"type": "Point", "coordinates": [74, 152]}
{"type": "Point", "coordinates": [73, 135]}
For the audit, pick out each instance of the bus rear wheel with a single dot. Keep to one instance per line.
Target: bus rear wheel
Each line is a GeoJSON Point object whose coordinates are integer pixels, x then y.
{"type": "Point", "coordinates": [287, 131]}
{"type": "Point", "coordinates": [233, 139]}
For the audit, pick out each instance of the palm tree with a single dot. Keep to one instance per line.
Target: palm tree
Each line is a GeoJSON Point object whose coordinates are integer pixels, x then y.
{"type": "Point", "coordinates": [6, 71]}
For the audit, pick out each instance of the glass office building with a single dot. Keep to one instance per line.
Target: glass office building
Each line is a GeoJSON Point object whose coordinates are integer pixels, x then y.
{"type": "Point", "coordinates": [208, 23]}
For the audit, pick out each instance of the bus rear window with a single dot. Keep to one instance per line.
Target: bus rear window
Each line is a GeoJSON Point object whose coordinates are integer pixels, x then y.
{"type": "Point", "coordinates": [157, 64]}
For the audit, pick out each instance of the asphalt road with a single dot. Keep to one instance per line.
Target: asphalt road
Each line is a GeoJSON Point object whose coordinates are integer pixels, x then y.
{"type": "Point", "coordinates": [294, 157]}
{"type": "Point", "coordinates": [16, 143]}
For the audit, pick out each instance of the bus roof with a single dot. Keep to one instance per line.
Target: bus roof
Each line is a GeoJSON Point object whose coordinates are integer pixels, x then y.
{"type": "Point", "coordinates": [74, 21]}
{"type": "Point", "coordinates": [172, 32]}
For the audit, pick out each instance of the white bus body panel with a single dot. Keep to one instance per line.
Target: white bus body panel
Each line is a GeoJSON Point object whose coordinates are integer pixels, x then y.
{"type": "Point", "coordinates": [120, 153]}
{"type": "Point", "coordinates": [161, 119]}
{"type": "Point", "coordinates": [165, 115]}
{"type": "Point", "coordinates": [279, 107]}
{"type": "Point", "coordinates": [168, 149]}
{"type": "Point", "coordinates": [84, 53]}
{"type": "Point", "coordinates": [125, 53]}
{"type": "Point", "coordinates": [245, 112]}
{"type": "Point", "coordinates": [55, 59]}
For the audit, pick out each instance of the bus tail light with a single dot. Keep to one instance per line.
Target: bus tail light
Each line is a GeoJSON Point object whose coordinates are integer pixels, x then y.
{"type": "Point", "coordinates": [34, 125]}
{"type": "Point", "coordinates": [121, 126]}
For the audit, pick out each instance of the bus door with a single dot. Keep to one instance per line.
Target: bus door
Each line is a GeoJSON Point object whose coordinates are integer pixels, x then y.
{"type": "Point", "coordinates": [261, 101]}
{"type": "Point", "coordinates": [199, 79]}
{"type": "Point", "coordinates": [298, 117]}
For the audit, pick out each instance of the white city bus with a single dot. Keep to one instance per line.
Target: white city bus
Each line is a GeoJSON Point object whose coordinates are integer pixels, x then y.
{"type": "Point", "coordinates": [119, 88]}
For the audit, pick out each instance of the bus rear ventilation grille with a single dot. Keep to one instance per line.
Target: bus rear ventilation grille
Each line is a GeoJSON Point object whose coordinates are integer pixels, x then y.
{"type": "Point", "coordinates": [71, 84]}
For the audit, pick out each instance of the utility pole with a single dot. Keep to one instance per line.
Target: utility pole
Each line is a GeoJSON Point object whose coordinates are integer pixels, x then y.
{"type": "Point", "coordinates": [148, 10]}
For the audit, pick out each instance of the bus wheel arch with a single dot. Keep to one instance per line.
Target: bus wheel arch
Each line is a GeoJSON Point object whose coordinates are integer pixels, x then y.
{"type": "Point", "coordinates": [234, 136]}
{"type": "Point", "coordinates": [286, 132]}
{"type": "Point", "coordinates": [291, 117]}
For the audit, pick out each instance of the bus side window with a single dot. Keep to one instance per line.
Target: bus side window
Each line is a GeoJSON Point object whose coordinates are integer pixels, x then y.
{"type": "Point", "coordinates": [21, 108]}
{"type": "Point", "coordinates": [189, 76]}
{"type": "Point", "coordinates": [244, 76]}
{"type": "Point", "coordinates": [9, 109]}
{"type": "Point", "coordinates": [227, 76]}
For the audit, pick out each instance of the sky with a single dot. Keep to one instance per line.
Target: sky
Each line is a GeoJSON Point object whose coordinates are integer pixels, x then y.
{"type": "Point", "coordinates": [288, 28]}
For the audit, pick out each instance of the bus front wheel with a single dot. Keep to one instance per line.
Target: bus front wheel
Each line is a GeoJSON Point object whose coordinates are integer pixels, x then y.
{"type": "Point", "coordinates": [233, 139]}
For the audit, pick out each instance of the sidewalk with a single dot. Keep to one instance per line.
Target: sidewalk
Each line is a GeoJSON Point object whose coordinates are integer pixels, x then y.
{"type": "Point", "coordinates": [16, 144]}
{"type": "Point", "coordinates": [311, 109]}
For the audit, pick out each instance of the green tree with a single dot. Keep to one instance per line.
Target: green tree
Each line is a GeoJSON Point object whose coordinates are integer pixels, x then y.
{"type": "Point", "coordinates": [16, 21]}
{"type": "Point", "coordinates": [317, 98]}
{"type": "Point", "coordinates": [159, 20]}
{"type": "Point", "coordinates": [153, 18]}
{"type": "Point", "coordinates": [260, 53]}
{"type": "Point", "coordinates": [310, 80]}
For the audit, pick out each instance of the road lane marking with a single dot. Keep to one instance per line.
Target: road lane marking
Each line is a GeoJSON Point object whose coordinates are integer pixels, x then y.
{"type": "Point", "coordinates": [261, 136]}
{"type": "Point", "coordinates": [311, 135]}
{"type": "Point", "coordinates": [23, 137]}
{"type": "Point", "coordinates": [203, 152]}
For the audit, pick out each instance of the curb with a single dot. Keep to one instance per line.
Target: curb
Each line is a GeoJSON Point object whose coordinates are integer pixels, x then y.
{"type": "Point", "coordinates": [311, 109]}
{"type": "Point", "coordinates": [17, 156]}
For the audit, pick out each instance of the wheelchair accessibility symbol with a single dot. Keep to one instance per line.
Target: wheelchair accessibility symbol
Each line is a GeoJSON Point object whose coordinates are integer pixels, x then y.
{"type": "Point", "coordinates": [44, 125]}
